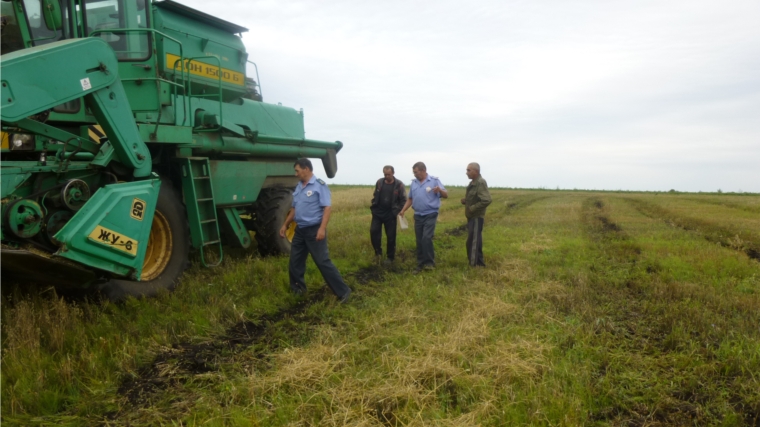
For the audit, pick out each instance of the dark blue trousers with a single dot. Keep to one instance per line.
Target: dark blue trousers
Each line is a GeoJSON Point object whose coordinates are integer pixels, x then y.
{"type": "Point", "coordinates": [424, 229]}
{"type": "Point", "coordinates": [305, 243]}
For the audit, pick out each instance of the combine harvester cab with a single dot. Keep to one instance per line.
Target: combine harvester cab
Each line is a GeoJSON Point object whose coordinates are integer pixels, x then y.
{"type": "Point", "coordinates": [131, 135]}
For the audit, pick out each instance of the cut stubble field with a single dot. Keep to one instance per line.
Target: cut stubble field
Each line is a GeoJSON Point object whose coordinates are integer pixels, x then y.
{"type": "Point", "coordinates": [595, 308]}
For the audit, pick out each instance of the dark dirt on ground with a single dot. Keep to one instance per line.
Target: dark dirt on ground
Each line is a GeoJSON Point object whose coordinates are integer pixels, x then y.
{"type": "Point", "coordinates": [176, 365]}
{"type": "Point", "coordinates": [188, 359]}
{"type": "Point", "coordinates": [457, 231]}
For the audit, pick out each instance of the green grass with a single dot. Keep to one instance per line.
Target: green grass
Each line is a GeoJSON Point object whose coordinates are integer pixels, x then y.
{"type": "Point", "coordinates": [595, 308]}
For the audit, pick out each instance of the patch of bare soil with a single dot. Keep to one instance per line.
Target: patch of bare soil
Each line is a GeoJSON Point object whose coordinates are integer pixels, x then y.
{"type": "Point", "coordinates": [174, 366]}
{"type": "Point", "coordinates": [607, 225]}
{"type": "Point", "coordinates": [376, 273]}
{"type": "Point", "coordinates": [367, 275]}
{"type": "Point", "coordinates": [597, 222]}
{"type": "Point", "coordinates": [457, 231]}
{"type": "Point", "coordinates": [749, 410]}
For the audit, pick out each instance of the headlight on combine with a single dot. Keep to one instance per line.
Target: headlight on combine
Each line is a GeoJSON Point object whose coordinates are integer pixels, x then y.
{"type": "Point", "coordinates": [22, 142]}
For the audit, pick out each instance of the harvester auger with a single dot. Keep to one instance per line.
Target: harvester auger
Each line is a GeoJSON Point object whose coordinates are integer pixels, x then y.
{"type": "Point", "coordinates": [132, 135]}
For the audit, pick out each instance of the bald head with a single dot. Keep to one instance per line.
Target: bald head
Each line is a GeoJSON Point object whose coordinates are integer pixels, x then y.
{"type": "Point", "coordinates": [473, 170]}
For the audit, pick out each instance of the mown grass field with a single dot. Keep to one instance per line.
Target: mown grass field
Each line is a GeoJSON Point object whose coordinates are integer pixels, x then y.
{"type": "Point", "coordinates": [624, 309]}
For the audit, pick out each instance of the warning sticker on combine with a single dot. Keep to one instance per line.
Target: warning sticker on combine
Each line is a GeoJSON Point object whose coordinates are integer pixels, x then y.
{"type": "Point", "coordinates": [95, 132]}
{"type": "Point", "coordinates": [138, 209]}
{"type": "Point", "coordinates": [115, 240]}
{"type": "Point", "coordinates": [206, 70]}
{"type": "Point", "coordinates": [86, 85]}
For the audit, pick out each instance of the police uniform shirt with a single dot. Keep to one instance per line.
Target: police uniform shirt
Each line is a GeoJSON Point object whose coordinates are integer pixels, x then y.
{"type": "Point", "coordinates": [309, 202]}
{"type": "Point", "coordinates": [424, 200]}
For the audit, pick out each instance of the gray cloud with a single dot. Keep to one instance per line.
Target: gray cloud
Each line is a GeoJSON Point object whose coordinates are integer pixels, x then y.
{"type": "Point", "coordinates": [589, 94]}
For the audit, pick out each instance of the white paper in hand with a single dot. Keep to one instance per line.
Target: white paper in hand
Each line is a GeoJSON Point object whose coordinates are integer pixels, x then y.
{"type": "Point", "coordinates": [402, 222]}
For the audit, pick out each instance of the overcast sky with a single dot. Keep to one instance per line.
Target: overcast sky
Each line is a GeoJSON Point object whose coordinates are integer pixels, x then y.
{"type": "Point", "coordinates": [636, 95]}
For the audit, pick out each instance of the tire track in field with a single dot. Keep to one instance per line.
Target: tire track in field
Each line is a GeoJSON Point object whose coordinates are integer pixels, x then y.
{"type": "Point", "coordinates": [625, 312]}
{"type": "Point", "coordinates": [175, 366]}
{"type": "Point", "coordinates": [512, 205]}
{"type": "Point", "coordinates": [179, 364]}
{"type": "Point", "coordinates": [501, 208]}
{"type": "Point", "coordinates": [725, 203]}
{"type": "Point", "coordinates": [172, 367]}
{"type": "Point", "coordinates": [726, 237]}
{"type": "Point", "coordinates": [616, 301]}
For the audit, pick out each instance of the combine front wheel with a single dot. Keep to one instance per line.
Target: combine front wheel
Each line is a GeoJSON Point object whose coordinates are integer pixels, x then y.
{"type": "Point", "coordinates": [167, 254]}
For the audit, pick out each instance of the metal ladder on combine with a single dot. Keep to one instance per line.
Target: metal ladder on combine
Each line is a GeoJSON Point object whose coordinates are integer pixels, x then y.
{"type": "Point", "coordinates": [201, 209]}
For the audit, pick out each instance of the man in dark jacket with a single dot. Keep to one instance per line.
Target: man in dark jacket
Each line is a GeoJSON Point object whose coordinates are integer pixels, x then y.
{"type": "Point", "coordinates": [476, 200]}
{"type": "Point", "coordinates": [387, 201]}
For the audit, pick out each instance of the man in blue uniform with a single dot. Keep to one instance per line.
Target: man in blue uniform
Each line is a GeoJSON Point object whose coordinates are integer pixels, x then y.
{"type": "Point", "coordinates": [425, 195]}
{"type": "Point", "coordinates": [311, 211]}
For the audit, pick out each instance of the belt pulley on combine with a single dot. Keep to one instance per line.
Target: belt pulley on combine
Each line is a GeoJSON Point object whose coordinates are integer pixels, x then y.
{"type": "Point", "coordinates": [25, 217]}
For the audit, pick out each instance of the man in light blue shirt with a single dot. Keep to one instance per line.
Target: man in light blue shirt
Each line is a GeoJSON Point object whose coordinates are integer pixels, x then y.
{"type": "Point", "coordinates": [425, 196]}
{"type": "Point", "coordinates": [311, 211]}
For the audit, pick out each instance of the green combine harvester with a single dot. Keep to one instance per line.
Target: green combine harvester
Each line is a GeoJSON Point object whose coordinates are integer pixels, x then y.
{"type": "Point", "coordinates": [131, 134]}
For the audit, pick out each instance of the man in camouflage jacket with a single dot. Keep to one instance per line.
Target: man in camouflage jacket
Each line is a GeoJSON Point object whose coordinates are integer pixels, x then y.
{"type": "Point", "coordinates": [476, 200]}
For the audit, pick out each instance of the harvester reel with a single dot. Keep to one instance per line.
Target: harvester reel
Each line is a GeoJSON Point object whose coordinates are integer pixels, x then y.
{"type": "Point", "coordinates": [75, 194]}
{"type": "Point", "coordinates": [24, 218]}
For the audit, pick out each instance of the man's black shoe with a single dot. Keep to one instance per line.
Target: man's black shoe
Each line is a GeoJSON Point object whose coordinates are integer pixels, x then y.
{"type": "Point", "coordinates": [344, 299]}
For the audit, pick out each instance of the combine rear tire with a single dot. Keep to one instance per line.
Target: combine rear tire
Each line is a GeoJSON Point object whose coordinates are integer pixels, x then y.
{"type": "Point", "coordinates": [271, 210]}
{"type": "Point", "coordinates": [166, 257]}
